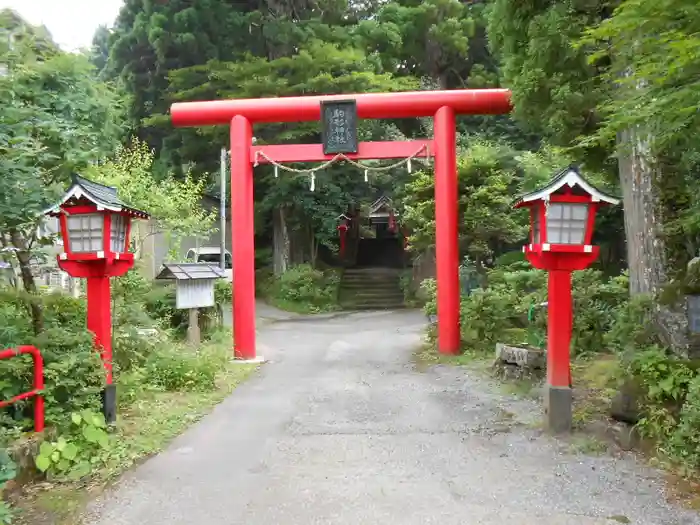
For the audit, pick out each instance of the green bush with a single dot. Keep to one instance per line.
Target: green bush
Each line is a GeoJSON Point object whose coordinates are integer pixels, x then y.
{"type": "Point", "coordinates": [73, 372]}
{"type": "Point", "coordinates": [500, 311]}
{"type": "Point", "coordinates": [633, 328]}
{"type": "Point", "coordinates": [223, 291]}
{"type": "Point", "coordinates": [159, 303]}
{"type": "Point", "coordinates": [175, 368]}
{"type": "Point", "coordinates": [684, 440]}
{"type": "Point", "coordinates": [407, 287]}
{"type": "Point", "coordinates": [82, 449]}
{"type": "Point", "coordinates": [597, 302]}
{"type": "Point", "coordinates": [305, 288]}
{"type": "Point", "coordinates": [8, 472]}
{"type": "Point", "coordinates": [509, 258]}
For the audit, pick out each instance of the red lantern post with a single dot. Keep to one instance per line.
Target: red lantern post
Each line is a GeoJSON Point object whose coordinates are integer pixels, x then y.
{"type": "Point", "coordinates": [342, 228]}
{"type": "Point", "coordinates": [562, 216]}
{"type": "Point", "coordinates": [392, 221]}
{"type": "Point", "coordinates": [96, 228]}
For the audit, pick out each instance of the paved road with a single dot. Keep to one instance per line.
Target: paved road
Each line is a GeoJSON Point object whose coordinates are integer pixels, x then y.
{"type": "Point", "coordinates": [339, 428]}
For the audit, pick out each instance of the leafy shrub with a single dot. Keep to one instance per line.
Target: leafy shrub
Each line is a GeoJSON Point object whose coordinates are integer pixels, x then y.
{"type": "Point", "coordinates": [76, 454]}
{"type": "Point", "coordinates": [160, 304]}
{"type": "Point", "coordinates": [633, 328]}
{"type": "Point", "coordinates": [664, 381]}
{"type": "Point", "coordinates": [509, 258]}
{"type": "Point", "coordinates": [684, 439]}
{"type": "Point", "coordinates": [8, 472]}
{"type": "Point", "coordinates": [500, 311]}
{"type": "Point", "coordinates": [305, 288]}
{"type": "Point", "coordinates": [131, 348]}
{"type": "Point", "coordinates": [429, 287]}
{"type": "Point", "coordinates": [597, 301]}
{"type": "Point", "coordinates": [176, 368]}
{"type": "Point", "coordinates": [407, 287]}
{"type": "Point", "coordinates": [223, 291]}
{"type": "Point", "coordinates": [73, 371]}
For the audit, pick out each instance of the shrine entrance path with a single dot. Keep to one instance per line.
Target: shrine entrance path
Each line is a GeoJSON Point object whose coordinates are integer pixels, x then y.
{"type": "Point", "coordinates": [341, 428]}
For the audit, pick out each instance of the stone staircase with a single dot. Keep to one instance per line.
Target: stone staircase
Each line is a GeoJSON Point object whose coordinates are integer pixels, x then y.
{"type": "Point", "coordinates": [371, 289]}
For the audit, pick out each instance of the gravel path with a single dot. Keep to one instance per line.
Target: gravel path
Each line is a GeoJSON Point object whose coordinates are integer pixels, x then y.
{"type": "Point", "coordinates": [340, 428]}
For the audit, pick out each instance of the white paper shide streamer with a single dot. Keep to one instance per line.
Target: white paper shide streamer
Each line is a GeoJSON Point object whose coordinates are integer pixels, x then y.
{"type": "Point", "coordinates": [341, 157]}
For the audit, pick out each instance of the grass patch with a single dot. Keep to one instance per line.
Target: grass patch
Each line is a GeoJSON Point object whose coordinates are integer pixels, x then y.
{"type": "Point", "coordinates": [296, 307]}
{"type": "Point", "coordinates": [427, 355]}
{"type": "Point", "coordinates": [594, 381]}
{"type": "Point", "coordinates": [525, 388]}
{"type": "Point", "coordinates": [148, 420]}
{"type": "Point", "coordinates": [587, 445]}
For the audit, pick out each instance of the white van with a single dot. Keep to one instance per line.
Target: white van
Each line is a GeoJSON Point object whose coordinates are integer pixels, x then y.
{"type": "Point", "coordinates": [212, 255]}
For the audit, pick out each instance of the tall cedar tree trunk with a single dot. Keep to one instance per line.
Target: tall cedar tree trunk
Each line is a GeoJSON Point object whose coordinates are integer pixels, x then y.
{"type": "Point", "coordinates": [24, 259]}
{"type": "Point", "coordinates": [280, 242]}
{"type": "Point", "coordinates": [646, 245]}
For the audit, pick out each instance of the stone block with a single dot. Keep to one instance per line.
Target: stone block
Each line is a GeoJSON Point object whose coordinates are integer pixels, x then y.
{"type": "Point", "coordinates": [558, 407]}
{"type": "Point", "coordinates": [624, 406]}
{"type": "Point", "coordinates": [533, 358]}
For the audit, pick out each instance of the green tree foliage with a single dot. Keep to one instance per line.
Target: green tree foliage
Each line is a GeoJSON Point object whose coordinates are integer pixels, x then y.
{"type": "Point", "coordinates": [422, 38]}
{"type": "Point", "coordinates": [152, 38]}
{"type": "Point", "coordinates": [489, 176]}
{"type": "Point", "coordinates": [318, 68]}
{"type": "Point", "coordinates": [555, 89]}
{"type": "Point", "coordinates": [175, 205]}
{"type": "Point", "coordinates": [655, 45]}
{"type": "Point", "coordinates": [57, 118]}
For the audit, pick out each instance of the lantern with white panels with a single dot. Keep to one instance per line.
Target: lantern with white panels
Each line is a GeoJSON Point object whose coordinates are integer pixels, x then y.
{"type": "Point", "coordinates": [95, 224]}
{"type": "Point", "coordinates": [562, 213]}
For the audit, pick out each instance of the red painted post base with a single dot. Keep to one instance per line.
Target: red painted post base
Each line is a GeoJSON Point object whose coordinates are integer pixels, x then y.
{"type": "Point", "coordinates": [98, 272]}
{"type": "Point", "coordinates": [558, 395]}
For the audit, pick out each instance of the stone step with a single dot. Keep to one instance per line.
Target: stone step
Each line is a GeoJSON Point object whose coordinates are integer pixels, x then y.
{"type": "Point", "coordinates": [377, 289]}
{"type": "Point", "coordinates": [364, 306]}
{"type": "Point", "coordinates": [372, 275]}
{"type": "Point", "coordinates": [366, 286]}
{"type": "Point", "coordinates": [372, 302]}
{"type": "Point", "coordinates": [364, 282]}
{"type": "Point", "coordinates": [367, 279]}
{"type": "Point", "coordinates": [367, 298]}
{"type": "Point", "coordinates": [372, 291]}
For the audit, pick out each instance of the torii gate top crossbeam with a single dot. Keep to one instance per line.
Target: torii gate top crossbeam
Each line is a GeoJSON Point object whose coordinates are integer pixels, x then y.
{"type": "Point", "coordinates": [407, 104]}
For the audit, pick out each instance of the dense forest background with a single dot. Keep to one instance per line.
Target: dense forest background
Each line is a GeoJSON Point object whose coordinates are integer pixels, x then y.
{"type": "Point", "coordinates": [606, 85]}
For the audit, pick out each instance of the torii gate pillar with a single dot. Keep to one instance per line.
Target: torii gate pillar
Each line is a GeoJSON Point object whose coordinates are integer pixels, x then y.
{"type": "Point", "coordinates": [242, 239]}
{"type": "Point", "coordinates": [446, 231]}
{"type": "Point", "coordinates": [241, 114]}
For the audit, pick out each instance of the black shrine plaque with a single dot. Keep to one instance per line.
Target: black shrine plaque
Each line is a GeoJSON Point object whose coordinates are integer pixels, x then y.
{"type": "Point", "coordinates": [339, 126]}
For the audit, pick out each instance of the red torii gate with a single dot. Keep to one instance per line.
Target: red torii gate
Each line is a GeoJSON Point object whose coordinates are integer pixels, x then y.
{"type": "Point", "coordinates": [241, 114]}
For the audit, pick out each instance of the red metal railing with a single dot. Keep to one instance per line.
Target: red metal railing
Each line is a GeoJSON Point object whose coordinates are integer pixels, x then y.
{"type": "Point", "coordinates": [36, 392]}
